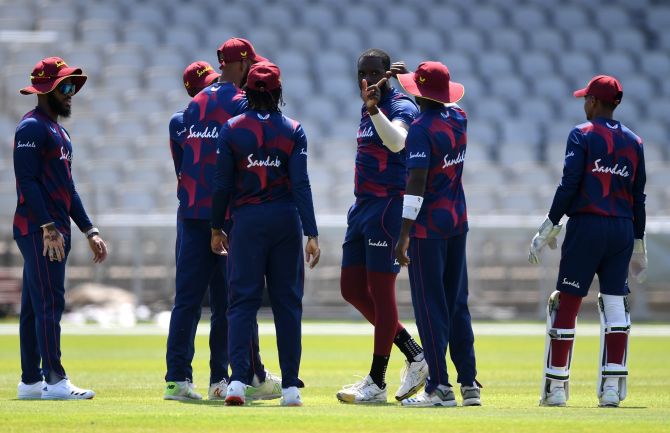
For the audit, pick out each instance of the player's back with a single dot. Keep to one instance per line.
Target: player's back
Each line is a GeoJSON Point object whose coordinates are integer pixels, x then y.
{"type": "Point", "coordinates": [261, 144]}
{"type": "Point", "coordinates": [612, 158]}
{"type": "Point", "coordinates": [437, 140]}
{"type": "Point", "coordinates": [203, 119]}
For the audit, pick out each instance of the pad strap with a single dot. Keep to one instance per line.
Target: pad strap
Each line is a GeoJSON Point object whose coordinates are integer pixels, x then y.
{"type": "Point", "coordinates": [558, 375]}
{"type": "Point", "coordinates": [561, 334]}
{"type": "Point", "coordinates": [621, 328]}
{"type": "Point", "coordinates": [614, 371]}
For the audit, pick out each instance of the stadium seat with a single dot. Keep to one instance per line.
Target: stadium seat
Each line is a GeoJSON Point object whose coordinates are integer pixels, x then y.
{"type": "Point", "coordinates": [617, 63]}
{"type": "Point", "coordinates": [506, 40]}
{"type": "Point", "coordinates": [548, 40]}
{"type": "Point", "coordinates": [528, 17]}
{"type": "Point", "coordinates": [99, 32]}
{"type": "Point", "coordinates": [587, 40]}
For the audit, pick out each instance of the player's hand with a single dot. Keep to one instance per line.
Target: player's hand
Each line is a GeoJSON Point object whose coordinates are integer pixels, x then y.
{"type": "Point", "coordinates": [401, 250]}
{"type": "Point", "coordinates": [638, 262]}
{"type": "Point", "coordinates": [99, 248]}
{"type": "Point", "coordinates": [54, 243]}
{"type": "Point", "coordinates": [219, 242]}
{"type": "Point", "coordinates": [372, 94]}
{"type": "Point", "coordinates": [312, 252]}
{"type": "Point", "coordinates": [546, 235]}
{"type": "Point", "coordinates": [398, 68]}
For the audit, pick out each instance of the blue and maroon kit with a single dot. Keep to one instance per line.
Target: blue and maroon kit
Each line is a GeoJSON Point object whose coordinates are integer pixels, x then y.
{"type": "Point", "coordinates": [193, 135]}
{"type": "Point", "coordinates": [262, 174]}
{"type": "Point", "coordinates": [46, 193]}
{"type": "Point", "coordinates": [602, 191]}
{"type": "Point", "coordinates": [373, 222]}
{"type": "Point", "coordinates": [437, 142]}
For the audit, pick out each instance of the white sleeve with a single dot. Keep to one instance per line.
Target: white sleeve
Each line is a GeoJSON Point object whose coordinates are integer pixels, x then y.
{"type": "Point", "coordinates": [393, 136]}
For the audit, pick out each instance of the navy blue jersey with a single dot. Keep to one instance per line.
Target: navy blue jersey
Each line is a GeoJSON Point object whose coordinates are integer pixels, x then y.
{"type": "Point", "coordinates": [177, 138]}
{"type": "Point", "coordinates": [379, 171]}
{"type": "Point", "coordinates": [603, 174]}
{"type": "Point", "coordinates": [44, 184]}
{"type": "Point", "coordinates": [263, 158]}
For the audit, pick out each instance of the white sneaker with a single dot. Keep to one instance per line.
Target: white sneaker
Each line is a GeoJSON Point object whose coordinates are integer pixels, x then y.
{"type": "Point", "coordinates": [471, 395]}
{"type": "Point", "coordinates": [32, 391]}
{"type": "Point", "coordinates": [610, 397]}
{"type": "Point", "coordinates": [365, 391]}
{"type": "Point", "coordinates": [555, 397]}
{"type": "Point", "coordinates": [269, 389]}
{"type": "Point", "coordinates": [440, 398]}
{"type": "Point", "coordinates": [412, 379]}
{"type": "Point", "coordinates": [290, 396]}
{"type": "Point", "coordinates": [183, 390]}
{"type": "Point", "coordinates": [217, 391]}
{"type": "Point", "coordinates": [65, 390]}
{"type": "Point", "coordinates": [235, 393]}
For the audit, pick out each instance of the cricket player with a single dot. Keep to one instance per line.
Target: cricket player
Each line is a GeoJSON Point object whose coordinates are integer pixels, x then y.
{"type": "Point", "coordinates": [47, 200]}
{"type": "Point", "coordinates": [262, 171]}
{"type": "Point", "coordinates": [602, 191]}
{"type": "Point", "coordinates": [197, 266]}
{"type": "Point", "coordinates": [435, 216]}
{"type": "Point", "coordinates": [369, 267]}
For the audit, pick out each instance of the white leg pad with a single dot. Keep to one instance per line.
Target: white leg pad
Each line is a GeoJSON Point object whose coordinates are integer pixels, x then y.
{"type": "Point", "coordinates": [614, 307]}
{"type": "Point", "coordinates": [550, 373]}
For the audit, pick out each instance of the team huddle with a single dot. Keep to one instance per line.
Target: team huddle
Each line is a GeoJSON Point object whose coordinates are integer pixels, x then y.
{"type": "Point", "coordinates": [245, 204]}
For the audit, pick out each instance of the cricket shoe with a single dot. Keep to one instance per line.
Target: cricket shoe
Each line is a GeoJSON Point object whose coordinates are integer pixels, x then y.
{"type": "Point", "coordinates": [290, 396]}
{"type": "Point", "coordinates": [365, 391]}
{"type": "Point", "coordinates": [217, 391]}
{"type": "Point", "coordinates": [554, 397]}
{"type": "Point", "coordinates": [65, 390]}
{"type": "Point", "coordinates": [269, 389]}
{"type": "Point", "coordinates": [440, 397]}
{"type": "Point", "coordinates": [180, 391]}
{"type": "Point", "coordinates": [412, 379]}
{"type": "Point", "coordinates": [609, 397]}
{"type": "Point", "coordinates": [31, 391]}
{"type": "Point", "coordinates": [235, 393]}
{"type": "Point", "coordinates": [471, 395]}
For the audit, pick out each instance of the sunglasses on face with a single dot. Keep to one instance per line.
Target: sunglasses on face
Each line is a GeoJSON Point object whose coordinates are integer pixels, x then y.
{"type": "Point", "coordinates": [67, 89]}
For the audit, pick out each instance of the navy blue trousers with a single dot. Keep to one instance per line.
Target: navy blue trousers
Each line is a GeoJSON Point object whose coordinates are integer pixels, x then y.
{"type": "Point", "coordinates": [198, 269]}
{"type": "Point", "coordinates": [266, 248]}
{"type": "Point", "coordinates": [439, 287]}
{"type": "Point", "coordinates": [42, 304]}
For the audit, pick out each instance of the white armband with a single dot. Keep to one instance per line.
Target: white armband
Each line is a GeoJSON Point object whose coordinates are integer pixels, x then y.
{"type": "Point", "coordinates": [393, 136]}
{"type": "Point", "coordinates": [411, 205]}
{"type": "Point", "coordinates": [92, 232]}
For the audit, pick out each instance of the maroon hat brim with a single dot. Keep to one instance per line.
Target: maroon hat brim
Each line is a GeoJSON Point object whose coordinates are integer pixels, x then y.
{"type": "Point", "coordinates": [452, 95]}
{"type": "Point", "coordinates": [78, 79]}
{"type": "Point", "coordinates": [580, 93]}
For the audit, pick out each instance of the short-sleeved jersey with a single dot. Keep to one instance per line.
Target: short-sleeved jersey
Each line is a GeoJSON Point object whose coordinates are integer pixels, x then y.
{"type": "Point", "coordinates": [44, 185]}
{"type": "Point", "coordinates": [437, 141]}
{"type": "Point", "coordinates": [177, 137]}
{"type": "Point", "coordinates": [379, 171]}
{"type": "Point", "coordinates": [603, 174]}
{"type": "Point", "coordinates": [263, 158]}
{"type": "Point", "coordinates": [203, 119]}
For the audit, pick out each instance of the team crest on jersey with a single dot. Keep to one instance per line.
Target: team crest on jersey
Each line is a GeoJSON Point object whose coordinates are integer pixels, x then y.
{"type": "Point", "coordinates": [263, 116]}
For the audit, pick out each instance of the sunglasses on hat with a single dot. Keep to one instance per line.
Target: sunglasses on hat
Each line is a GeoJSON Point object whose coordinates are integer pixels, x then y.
{"type": "Point", "coordinates": [67, 89]}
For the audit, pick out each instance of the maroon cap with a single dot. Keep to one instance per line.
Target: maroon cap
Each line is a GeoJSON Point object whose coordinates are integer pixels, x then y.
{"type": "Point", "coordinates": [199, 75]}
{"type": "Point", "coordinates": [603, 87]}
{"type": "Point", "coordinates": [238, 49]}
{"type": "Point", "coordinates": [432, 80]}
{"type": "Point", "coordinates": [264, 76]}
{"type": "Point", "coordinates": [48, 72]}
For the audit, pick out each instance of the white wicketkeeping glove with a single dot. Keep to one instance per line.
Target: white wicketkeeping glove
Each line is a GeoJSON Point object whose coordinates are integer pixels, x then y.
{"type": "Point", "coordinates": [546, 235]}
{"type": "Point", "coordinates": [638, 262]}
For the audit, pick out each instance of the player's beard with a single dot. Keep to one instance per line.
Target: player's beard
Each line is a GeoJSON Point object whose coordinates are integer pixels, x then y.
{"type": "Point", "coordinates": [57, 106]}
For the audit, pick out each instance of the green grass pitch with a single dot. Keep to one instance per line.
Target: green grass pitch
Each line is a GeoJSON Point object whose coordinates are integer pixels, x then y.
{"type": "Point", "coordinates": [127, 374]}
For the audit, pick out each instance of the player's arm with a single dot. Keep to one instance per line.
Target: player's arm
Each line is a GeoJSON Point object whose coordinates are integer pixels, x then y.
{"type": "Point", "coordinates": [177, 135]}
{"type": "Point", "coordinates": [638, 262]}
{"type": "Point", "coordinates": [302, 195]}
{"type": "Point", "coordinates": [418, 163]}
{"type": "Point", "coordinates": [223, 188]}
{"type": "Point", "coordinates": [392, 132]}
{"type": "Point", "coordinates": [573, 173]}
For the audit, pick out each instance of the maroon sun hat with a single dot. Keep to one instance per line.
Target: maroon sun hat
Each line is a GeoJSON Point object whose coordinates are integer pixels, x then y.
{"type": "Point", "coordinates": [199, 75]}
{"type": "Point", "coordinates": [432, 80]}
{"type": "Point", "coordinates": [49, 72]}
{"type": "Point", "coordinates": [264, 76]}
{"type": "Point", "coordinates": [237, 49]}
{"type": "Point", "coordinates": [604, 87]}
